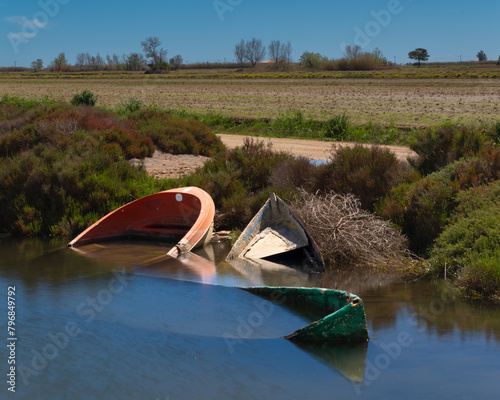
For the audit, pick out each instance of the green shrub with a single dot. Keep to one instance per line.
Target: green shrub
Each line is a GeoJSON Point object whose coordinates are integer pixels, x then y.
{"type": "Point", "coordinates": [423, 207]}
{"type": "Point", "coordinates": [63, 167]}
{"type": "Point", "coordinates": [367, 172]}
{"type": "Point", "coordinates": [337, 127]}
{"type": "Point", "coordinates": [293, 174]}
{"type": "Point", "coordinates": [294, 124]}
{"type": "Point", "coordinates": [480, 278]}
{"type": "Point", "coordinates": [494, 134]}
{"type": "Point", "coordinates": [45, 191]}
{"type": "Point", "coordinates": [26, 103]}
{"type": "Point", "coordinates": [438, 147]}
{"type": "Point", "coordinates": [175, 135]}
{"type": "Point", "coordinates": [86, 98]}
{"type": "Point", "coordinates": [132, 105]}
{"type": "Point", "coordinates": [468, 249]}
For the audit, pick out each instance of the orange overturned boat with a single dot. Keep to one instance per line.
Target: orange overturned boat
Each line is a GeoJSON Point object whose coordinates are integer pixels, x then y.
{"type": "Point", "coordinates": [183, 216]}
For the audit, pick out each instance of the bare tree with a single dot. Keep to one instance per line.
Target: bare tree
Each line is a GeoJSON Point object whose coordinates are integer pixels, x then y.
{"type": "Point", "coordinates": [254, 51]}
{"type": "Point", "coordinates": [281, 53]}
{"type": "Point", "coordinates": [80, 60]}
{"type": "Point", "coordinates": [274, 50]}
{"type": "Point", "coordinates": [240, 52]}
{"type": "Point", "coordinates": [152, 50]}
{"type": "Point", "coordinates": [97, 62]}
{"type": "Point", "coordinates": [113, 62]}
{"type": "Point", "coordinates": [286, 53]}
{"type": "Point", "coordinates": [352, 52]}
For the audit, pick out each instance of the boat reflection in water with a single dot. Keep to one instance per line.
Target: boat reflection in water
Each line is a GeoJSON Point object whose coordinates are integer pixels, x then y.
{"type": "Point", "coordinates": [207, 265]}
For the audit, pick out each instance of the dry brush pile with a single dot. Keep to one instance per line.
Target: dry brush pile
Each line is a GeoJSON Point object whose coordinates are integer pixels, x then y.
{"type": "Point", "coordinates": [348, 235]}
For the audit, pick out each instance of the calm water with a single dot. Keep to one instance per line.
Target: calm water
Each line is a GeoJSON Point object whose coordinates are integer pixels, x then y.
{"type": "Point", "coordinates": [92, 326]}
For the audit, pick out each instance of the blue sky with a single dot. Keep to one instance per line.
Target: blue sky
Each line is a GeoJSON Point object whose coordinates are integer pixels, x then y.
{"type": "Point", "coordinates": [207, 30]}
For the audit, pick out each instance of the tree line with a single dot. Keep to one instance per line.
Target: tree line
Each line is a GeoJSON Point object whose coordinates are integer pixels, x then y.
{"type": "Point", "coordinates": [254, 52]}
{"type": "Point", "coordinates": [251, 52]}
{"type": "Point", "coordinates": [154, 60]}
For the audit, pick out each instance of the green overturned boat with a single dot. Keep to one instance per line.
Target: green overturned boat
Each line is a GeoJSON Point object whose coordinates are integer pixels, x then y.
{"type": "Point", "coordinates": [338, 316]}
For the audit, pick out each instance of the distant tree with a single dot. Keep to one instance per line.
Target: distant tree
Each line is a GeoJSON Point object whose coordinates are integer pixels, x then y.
{"type": "Point", "coordinates": [80, 61]}
{"type": "Point", "coordinates": [498, 62]}
{"type": "Point", "coordinates": [98, 62]}
{"type": "Point", "coordinates": [254, 51]}
{"type": "Point", "coordinates": [274, 50]}
{"type": "Point", "coordinates": [37, 65]}
{"type": "Point", "coordinates": [286, 53]}
{"type": "Point", "coordinates": [134, 62]}
{"type": "Point", "coordinates": [481, 56]}
{"type": "Point", "coordinates": [157, 54]}
{"type": "Point", "coordinates": [176, 61]}
{"type": "Point", "coordinates": [311, 60]}
{"type": "Point", "coordinates": [279, 52]}
{"type": "Point", "coordinates": [240, 52]}
{"type": "Point", "coordinates": [352, 52]}
{"type": "Point", "coordinates": [419, 55]}
{"type": "Point", "coordinates": [378, 54]}
{"type": "Point", "coordinates": [113, 62]}
{"type": "Point", "coordinates": [60, 63]}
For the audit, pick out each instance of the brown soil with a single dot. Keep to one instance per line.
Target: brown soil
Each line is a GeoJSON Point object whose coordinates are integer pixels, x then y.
{"type": "Point", "coordinates": [399, 102]}
{"type": "Point", "coordinates": [163, 165]}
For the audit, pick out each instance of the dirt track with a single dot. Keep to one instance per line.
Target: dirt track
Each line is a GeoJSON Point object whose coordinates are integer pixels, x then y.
{"type": "Point", "coordinates": [163, 165]}
{"type": "Point", "coordinates": [312, 149]}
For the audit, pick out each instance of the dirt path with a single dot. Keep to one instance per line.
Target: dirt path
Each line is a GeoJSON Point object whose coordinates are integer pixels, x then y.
{"type": "Point", "coordinates": [163, 165]}
{"type": "Point", "coordinates": [312, 149]}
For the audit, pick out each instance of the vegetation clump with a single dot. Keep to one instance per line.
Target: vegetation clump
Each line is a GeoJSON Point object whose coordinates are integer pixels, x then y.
{"type": "Point", "coordinates": [86, 98]}
{"type": "Point", "coordinates": [176, 135]}
{"type": "Point", "coordinates": [468, 249]}
{"type": "Point", "coordinates": [422, 205]}
{"type": "Point", "coordinates": [62, 167]}
{"type": "Point", "coordinates": [367, 172]}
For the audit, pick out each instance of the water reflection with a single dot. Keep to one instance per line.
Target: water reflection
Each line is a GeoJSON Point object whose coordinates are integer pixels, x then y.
{"type": "Point", "coordinates": [162, 331]}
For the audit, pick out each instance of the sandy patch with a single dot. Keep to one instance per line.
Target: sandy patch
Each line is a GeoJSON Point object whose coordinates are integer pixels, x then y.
{"type": "Point", "coordinates": [164, 165]}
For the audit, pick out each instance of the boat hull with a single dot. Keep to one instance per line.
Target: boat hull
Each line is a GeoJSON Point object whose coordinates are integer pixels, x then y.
{"type": "Point", "coordinates": [183, 216]}
{"type": "Point", "coordinates": [277, 234]}
{"type": "Point", "coordinates": [342, 314]}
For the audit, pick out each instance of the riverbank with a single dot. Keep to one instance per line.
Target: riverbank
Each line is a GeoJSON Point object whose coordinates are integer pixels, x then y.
{"type": "Point", "coordinates": [62, 167]}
